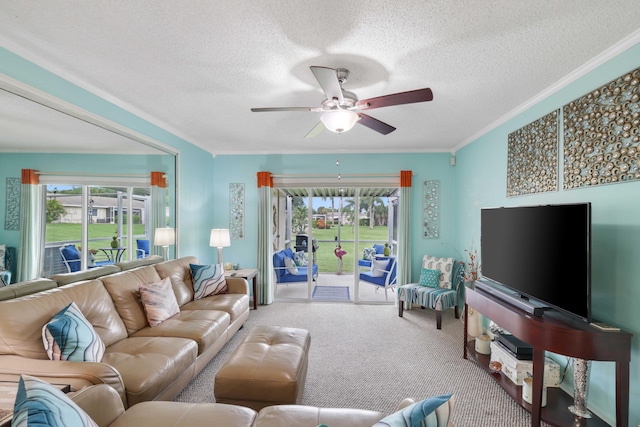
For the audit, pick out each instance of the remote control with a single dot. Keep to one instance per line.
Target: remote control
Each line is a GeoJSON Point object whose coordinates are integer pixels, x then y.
{"type": "Point", "coordinates": [234, 274]}
{"type": "Point", "coordinates": [604, 326]}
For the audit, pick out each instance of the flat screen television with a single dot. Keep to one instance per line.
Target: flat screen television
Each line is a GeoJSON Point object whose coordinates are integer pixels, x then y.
{"type": "Point", "coordinates": [541, 254]}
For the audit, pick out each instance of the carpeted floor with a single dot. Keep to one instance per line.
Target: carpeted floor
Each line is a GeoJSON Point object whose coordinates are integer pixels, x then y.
{"type": "Point", "coordinates": [331, 293]}
{"type": "Point", "coordinates": [365, 356]}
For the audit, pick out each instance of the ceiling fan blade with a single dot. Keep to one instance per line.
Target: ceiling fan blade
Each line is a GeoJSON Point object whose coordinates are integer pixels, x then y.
{"type": "Point", "coordinates": [317, 130]}
{"type": "Point", "coordinates": [261, 110]}
{"type": "Point", "coordinates": [418, 95]}
{"type": "Point", "coordinates": [375, 124]}
{"type": "Point", "coordinates": [329, 83]}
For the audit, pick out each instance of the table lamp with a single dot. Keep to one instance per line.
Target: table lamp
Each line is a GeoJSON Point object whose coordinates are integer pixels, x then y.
{"type": "Point", "coordinates": [220, 238]}
{"type": "Point", "coordinates": [164, 237]}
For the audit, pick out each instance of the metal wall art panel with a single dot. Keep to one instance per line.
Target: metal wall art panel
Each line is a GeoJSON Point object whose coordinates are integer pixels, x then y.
{"type": "Point", "coordinates": [12, 208]}
{"type": "Point", "coordinates": [431, 209]}
{"type": "Point", "coordinates": [532, 157]}
{"type": "Point", "coordinates": [236, 211]}
{"type": "Point", "coordinates": [602, 134]}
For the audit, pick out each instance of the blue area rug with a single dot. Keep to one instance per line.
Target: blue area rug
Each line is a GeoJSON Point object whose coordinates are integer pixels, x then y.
{"type": "Point", "coordinates": [331, 293]}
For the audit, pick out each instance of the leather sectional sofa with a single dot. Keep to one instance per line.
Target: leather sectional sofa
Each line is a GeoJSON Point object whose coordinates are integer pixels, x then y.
{"type": "Point", "coordinates": [141, 363]}
{"type": "Point", "coordinates": [105, 408]}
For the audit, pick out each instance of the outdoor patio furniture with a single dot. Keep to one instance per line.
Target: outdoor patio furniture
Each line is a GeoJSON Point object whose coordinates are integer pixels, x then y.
{"type": "Point", "coordinates": [142, 248]}
{"type": "Point", "coordinates": [71, 258]}
{"type": "Point", "coordinates": [286, 270]}
{"type": "Point", "coordinates": [382, 274]}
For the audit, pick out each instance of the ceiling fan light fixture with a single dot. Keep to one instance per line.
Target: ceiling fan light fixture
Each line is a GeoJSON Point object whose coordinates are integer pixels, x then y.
{"type": "Point", "coordinates": [339, 121]}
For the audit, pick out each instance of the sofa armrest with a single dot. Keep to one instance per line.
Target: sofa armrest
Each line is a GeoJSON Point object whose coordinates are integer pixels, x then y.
{"type": "Point", "coordinates": [101, 402]}
{"type": "Point", "coordinates": [76, 374]}
{"type": "Point", "coordinates": [238, 285]}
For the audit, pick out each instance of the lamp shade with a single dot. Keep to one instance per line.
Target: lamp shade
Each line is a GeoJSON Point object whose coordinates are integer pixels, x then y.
{"type": "Point", "coordinates": [220, 238]}
{"type": "Point", "coordinates": [164, 237]}
{"type": "Point", "coordinates": [339, 120]}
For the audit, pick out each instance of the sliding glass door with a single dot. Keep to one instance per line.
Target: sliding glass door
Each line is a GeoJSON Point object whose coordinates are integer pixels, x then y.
{"type": "Point", "coordinates": [340, 223]}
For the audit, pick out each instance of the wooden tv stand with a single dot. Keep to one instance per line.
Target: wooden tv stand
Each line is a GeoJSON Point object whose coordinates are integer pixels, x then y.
{"type": "Point", "coordinates": [557, 334]}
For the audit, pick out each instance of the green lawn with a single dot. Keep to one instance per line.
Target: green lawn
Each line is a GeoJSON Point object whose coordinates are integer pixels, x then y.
{"type": "Point", "coordinates": [326, 259]}
{"type": "Point", "coordinates": [100, 235]}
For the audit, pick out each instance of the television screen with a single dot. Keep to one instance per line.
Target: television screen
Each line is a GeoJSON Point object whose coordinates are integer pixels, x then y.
{"type": "Point", "coordinates": [541, 253]}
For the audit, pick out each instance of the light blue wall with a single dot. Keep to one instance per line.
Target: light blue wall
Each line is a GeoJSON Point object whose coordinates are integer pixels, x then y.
{"type": "Point", "coordinates": [242, 169]}
{"type": "Point", "coordinates": [481, 182]}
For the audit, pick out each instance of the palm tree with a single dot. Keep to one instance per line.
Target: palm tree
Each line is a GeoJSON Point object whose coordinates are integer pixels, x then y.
{"type": "Point", "coordinates": [299, 219]}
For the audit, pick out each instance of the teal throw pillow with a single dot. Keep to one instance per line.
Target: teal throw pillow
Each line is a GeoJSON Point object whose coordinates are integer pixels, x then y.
{"type": "Point", "coordinates": [432, 412]}
{"type": "Point", "coordinates": [430, 278]}
{"type": "Point", "coordinates": [208, 280]}
{"type": "Point", "coordinates": [300, 259]}
{"type": "Point", "coordinates": [38, 404]}
{"type": "Point", "coordinates": [70, 336]}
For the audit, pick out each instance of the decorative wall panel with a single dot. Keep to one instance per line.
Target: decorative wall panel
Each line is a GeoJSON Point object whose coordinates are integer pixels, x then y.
{"type": "Point", "coordinates": [12, 209]}
{"type": "Point", "coordinates": [236, 211]}
{"type": "Point", "coordinates": [602, 134]}
{"type": "Point", "coordinates": [532, 158]}
{"type": "Point", "coordinates": [431, 210]}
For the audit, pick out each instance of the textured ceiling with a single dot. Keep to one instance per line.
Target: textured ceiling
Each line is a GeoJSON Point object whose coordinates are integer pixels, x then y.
{"type": "Point", "coordinates": [196, 68]}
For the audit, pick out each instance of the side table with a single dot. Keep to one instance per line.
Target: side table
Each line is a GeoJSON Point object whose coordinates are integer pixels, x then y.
{"type": "Point", "coordinates": [248, 274]}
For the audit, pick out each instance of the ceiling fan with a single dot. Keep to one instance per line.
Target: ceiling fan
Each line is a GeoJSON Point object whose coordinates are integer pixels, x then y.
{"type": "Point", "coordinates": [342, 109]}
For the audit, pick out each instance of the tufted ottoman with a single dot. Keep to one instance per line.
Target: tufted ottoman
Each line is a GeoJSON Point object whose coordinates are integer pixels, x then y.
{"type": "Point", "coordinates": [268, 367]}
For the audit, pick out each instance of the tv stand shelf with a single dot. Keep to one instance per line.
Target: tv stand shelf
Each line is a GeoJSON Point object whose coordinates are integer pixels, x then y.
{"type": "Point", "coordinates": [555, 333]}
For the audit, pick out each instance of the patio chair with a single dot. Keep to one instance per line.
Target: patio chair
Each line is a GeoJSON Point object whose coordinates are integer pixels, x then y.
{"type": "Point", "coordinates": [71, 258]}
{"type": "Point", "coordinates": [443, 292]}
{"type": "Point", "coordinates": [369, 255]}
{"type": "Point", "coordinates": [382, 274]}
{"type": "Point", "coordinates": [142, 248]}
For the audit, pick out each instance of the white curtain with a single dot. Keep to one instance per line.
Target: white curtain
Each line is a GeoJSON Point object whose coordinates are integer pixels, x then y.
{"type": "Point", "coordinates": [31, 251]}
{"type": "Point", "coordinates": [266, 289]}
{"type": "Point", "coordinates": [158, 208]}
{"type": "Point", "coordinates": [404, 229]}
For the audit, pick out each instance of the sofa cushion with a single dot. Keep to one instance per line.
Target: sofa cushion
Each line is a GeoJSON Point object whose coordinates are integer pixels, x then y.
{"type": "Point", "coordinates": [70, 336]}
{"type": "Point", "coordinates": [150, 366]}
{"type": "Point", "coordinates": [79, 276]}
{"type": "Point", "coordinates": [26, 288]}
{"type": "Point", "coordinates": [124, 288]}
{"type": "Point", "coordinates": [208, 280]}
{"type": "Point", "coordinates": [181, 279]}
{"type": "Point", "coordinates": [159, 301]}
{"type": "Point", "coordinates": [302, 415]}
{"type": "Point", "coordinates": [236, 305]}
{"type": "Point", "coordinates": [205, 327]}
{"type": "Point", "coordinates": [38, 403]}
{"type": "Point", "coordinates": [300, 259]}
{"type": "Point", "coordinates": [432, 412]}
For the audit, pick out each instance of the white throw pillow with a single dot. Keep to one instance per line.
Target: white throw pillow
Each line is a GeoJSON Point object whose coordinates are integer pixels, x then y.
{"type": "Point", "coordinates": [291, 266]}
{"type": "Point", "coordinates": [379, 267]}
{"type": "Point", "coordinates": [445, 265]}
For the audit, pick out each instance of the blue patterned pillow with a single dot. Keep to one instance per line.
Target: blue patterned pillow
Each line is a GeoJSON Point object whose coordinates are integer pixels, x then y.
{"type": "Point", "coordinates": [38, 403]}
{"type": "Point", "coordinates": [430, 278]}
{"type": "Point", "coordinates": [300, 259]}
{"type": "Point", "coordinates": [432, 412]}
{"type": "Point", "coordinates": [208, 280]}
{"type": "Point", "coordinates": [368, 253]}
{"type": "Point", "coordinates": [70, 336]}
